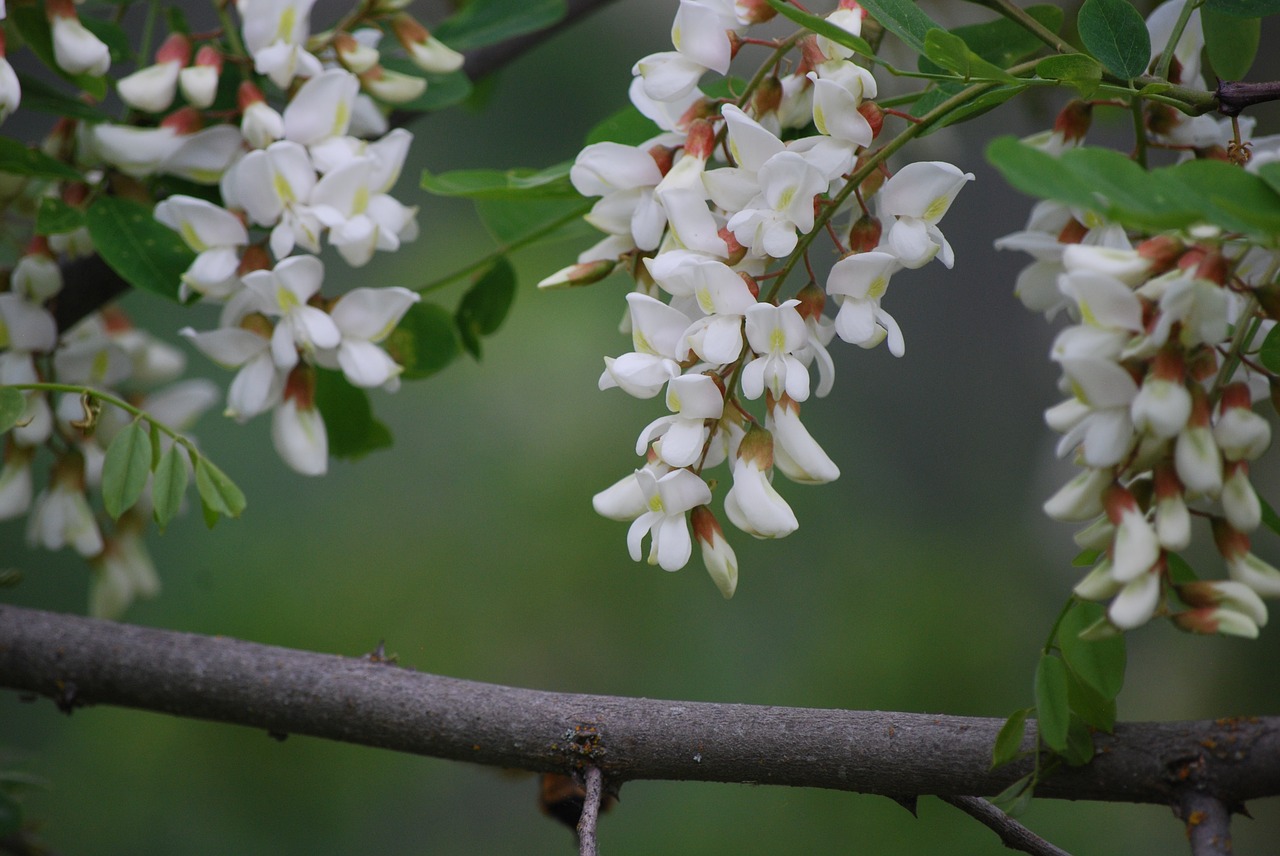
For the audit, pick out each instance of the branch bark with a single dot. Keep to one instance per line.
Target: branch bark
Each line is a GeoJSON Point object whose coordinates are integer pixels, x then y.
{"type": "Point", "coordinates": [77, 661]}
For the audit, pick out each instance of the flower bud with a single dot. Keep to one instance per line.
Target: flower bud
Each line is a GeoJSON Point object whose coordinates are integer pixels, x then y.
{"type": "Point", "coordinates": [1195, 454]}
{"type": "Point", "coordinates": [1172, 519]}
{"type": "Point", "coordinates": [425, 51]}
{"type": "Point", "coordinates": [1135, 548]}
{"type": "Point", "coordinates": [1163, 403]}
{"type": "Point", "coordinates": [1079, 499]}
{"type": "Point", "coordinates": [1216, 620]}
{"type": "Point", "coordinates": [584, 273]}
{"type": "Point", "coordinates": [1239, 432]}
{"type": "Point", "coordinates": [1098, 584]}
{"type": "Point", "coordinates": [752, 504]}
{"type": "Point", "coordinates": [297, 429]}
{"type": "Point", "coordinates": [1073, 121]}
{"type": "Point", "coordinates": [717, 554]}
{"type": "Point", "coordinates": [354, 55]}
{"type": "Point", "coordinates": [1232, 595]}
{"type": "Point", "coordinates": [75, 49]}
{"type": "Point", "coordinates": [199, 82]}
{"type": "Point", "coordinates": [1136, 602]}
{"type": "Point", "coordinates": [1240, 502]}
{"type": "Point", "coordinates": [872, 112]}
{"type": "Point", "coordinates": [393, 87]}
{"type": "Point", "coordinates": [865, 234]}
{"type": "Point", "coordinates": [1242, 565]}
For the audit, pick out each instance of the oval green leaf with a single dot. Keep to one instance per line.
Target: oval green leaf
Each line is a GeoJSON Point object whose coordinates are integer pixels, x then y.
{"type": "Point", "coordinates": [168, 486]}
{"type": "Point", "coordinates": [904, 19]}
{"type": "Point", "coordinates": [218, 493]}
{"type": "Point", "coordinates": [352, 430]}
{"type": "Point", "coordinates": [485, 22]}
{"type": "Point", "coordinates": [424, 342]}
{"type": "Point", "coordinates": [485, 305]}
{"type": "Point", "coordinates": [1231, 41]}
{"type": "Point", "coordinates": [1115, 33]}
{"type": "Point", "coordinates": [1098, 663]}
{"type": "Point", "coordinates": [125, 469]}
{"type": "Point", "coordinates": [12, 405]}
{"type": "Point", "coordinates": [146, 253]}
{"type": "Point", "coordinates": [18, 159]}
{"type": "Point", "coordinates": [1009, 739]}
{"type": "Point", "coordinates": [1053, 711]}
{"type": "Point", "coordinates": [1080, 71]}
{"type": "Point", "coordinates": [1244, 8]}
{"type": "Point", "coordinates": [549, 183]}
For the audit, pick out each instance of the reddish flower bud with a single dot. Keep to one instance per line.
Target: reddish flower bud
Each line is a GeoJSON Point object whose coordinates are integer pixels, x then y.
{"type": "Point", "coordinates": [1073, 121]}
{"type": "Point", "coordinates": [871, 111]}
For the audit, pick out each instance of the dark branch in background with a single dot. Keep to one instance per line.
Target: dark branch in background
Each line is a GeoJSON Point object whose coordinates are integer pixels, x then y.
{"type": "Point", "coordinates": [1012, 834]}
{"type": "Point", "coordinates": [587, 845]}
{"type": "Point", "coordinates": [78, 661]}
{"type": "Point", "coordinates": [91, 284]}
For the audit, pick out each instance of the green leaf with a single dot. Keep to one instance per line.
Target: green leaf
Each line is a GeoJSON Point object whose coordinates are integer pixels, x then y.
{"type": "Point", "coordinates": [18, 159]}
{"type": "Point", "coordinates": [55, 217]}
{"type": "Point", "coordinates": [1244, 8]}
{"type": "Point", "coordinates": [1080, 71]}
{"type": "Point", "coordinates": [1014, 799]}
{"type": "Point", "coordinates": [950, 52]}
{"type": "Point", "coordinates": [988, 100]}
{"type": "Point", "coordinates": [513, 221]}
{"type": "Point", "coordinates": [628, 126]}
{"type": "Point", "coordinates": [1009, 740]}
{"type": "Point", "coordinates": [1090, 705]}
{"type": "Point", "coordinates": [1079, 749]}
{"type": "Point", "coordinates": [10, 816]}
{"type": "Point", "coordinates": [552, 182]}
{"type": "Point", "coordinates": [40, 96]}
{"type": "Point", "coordinates": [1003, 42]}
{"type": "Point", "coordinates": [443, 90]}
{"type": "Point", "coordinates": [1128, 192]}
{"type": "Point", "coordinates": [904, 19]}
{"type": "Point", "coordinates": [1226, 196]}
{"type": "Point", "coordinates": [218, 493]}
{"type": "Point", "coordinates": [823, 27]}
{"type": "Point", "coordinates": [424, 342]}
{"type": "Point", "coordinates": [1099, 663]}
{"type": "Point", "coordinates": [146, 253]}
{"type": "Point", "coordinates": [125, 469]}
{"type": "Point", "coordinates": [1269, 517]}
{"type": "Point", "coordinates": [1180, 572]}
{"type": "Point", "coordinates": [1037, 173]}
{"type": "Point", "coordinates": [1232, 42]}
{"type": "Point", "coordinates": [485, 22]}
{"type": "Point", "coordinates": [116, 40]}
{"type": "Point", "coordinates": [1115, 33]}
{"type": "Point", "coordinates": [485, 305]}
{"type": "Point", "coordinates": [168, 486]}
{"type": "Point", "coordinates": [1086, 558]}
{"type": "Point", "coordinates": [1053, 713]}
{"type": "Point", "coordinates": [348, 417]}
{"type": "Point", "coordinates": [12, 405]}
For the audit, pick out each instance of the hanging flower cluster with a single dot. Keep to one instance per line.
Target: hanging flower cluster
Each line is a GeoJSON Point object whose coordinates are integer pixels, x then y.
{"type": "Point", "coordinates": [1161, 372]}
{"type": "Point", "coordinates": [302, 157]}
{"type": "Point", "coordinates": [710, 217]}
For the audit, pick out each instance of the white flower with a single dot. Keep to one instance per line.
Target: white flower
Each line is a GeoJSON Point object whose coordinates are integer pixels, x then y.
{"type": "Point", "coordinates": [717, 555]}
{"type": "Point", "coordinates": [795, 452]}
{"type": "Point", "coordinates": [75, 49]}
{"type": "Point", "coordinates": [425, 50]}
{"type": "Point", "coordinates": [10, 89]}
{"type": "Point", "coordinates": [775, 334]}
{"type": "Point", "coordinates": [767, 226]}
{"type": "Point", "coordinates": [918, 195]}
{"type": "Point", "coordinates": [153, 88]}
{"type": "Point", "coordinates": [693, 399]}
{"type": "Point", "coordinates": [657, 333]}
{"type": "Point", "coordinates": [199, 82]}
{"type": "Point", "coordinates": [61, 515]}
{"type": "Point", "coordinates": [752, 504]}
{"type": "Point", "coordinates": [258, 384]}
{"type": "Point", "coordinates": [275, 33]}
{"type": "Point", "coordinates": [321, 108]}
{"type": "Point", "coordinates": [297, 429]}
{"type": "Point", "coordinates": [215, 234]}
{"type": "Point", "coordinates": [284, 292]}
{"type": "Point", "coordinates": [858, 282]}
{"type": "Point", "coordinates": [365, 317]}
{"type": "Point", "coordinates": [667, 500]}
{"type": "Point", "coordinates": [273, 186]}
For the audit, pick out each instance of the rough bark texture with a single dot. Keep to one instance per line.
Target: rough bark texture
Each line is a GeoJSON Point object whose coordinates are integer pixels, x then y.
{"type": "Point", "coordinates": [77, 661]}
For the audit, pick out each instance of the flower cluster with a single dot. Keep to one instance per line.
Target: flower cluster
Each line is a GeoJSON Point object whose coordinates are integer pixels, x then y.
{"type": "Point", "coordinates": [711, 216]}
{"type": "Point", "coordinates": [287, 133]}
{"type": "Point", "coordinates": [1159, 368]}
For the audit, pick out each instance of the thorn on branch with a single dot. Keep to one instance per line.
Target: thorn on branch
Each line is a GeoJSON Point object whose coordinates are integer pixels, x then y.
{"type": "Point", "coordinates": [1012, 834]}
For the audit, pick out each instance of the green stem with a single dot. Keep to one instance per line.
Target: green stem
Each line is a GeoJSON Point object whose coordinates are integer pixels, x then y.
{"type": "Point", "coordinates": [1239, 343]}
{"type": "Point", "coordinates": [783, 48]}
{"type": "Point", "coordinates": [1053, 631]}
{"type": "Point", "coordinates": [1166, 56]}
{"type": "Point", "coordinates": [136, 412]}
{"type": "Point", "coordinates": [229, 29]}
{"type": "Point", "coordinates": [1030, 24]}
{"type": "Point", "coordinates": [1139, 133]}
{"type": "Point", "coordinates": [485, 261]}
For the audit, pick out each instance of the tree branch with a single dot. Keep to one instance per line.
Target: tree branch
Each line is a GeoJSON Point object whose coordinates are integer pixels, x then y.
{"type": "Point", "coordinates": [1208, 821]}
{"type": "Point", "coordinates": [90, 284]}
{"type": "Point", "coordinates": [587, 845]}
{"type": "Point", "coordinates": [1012, 834]}
{"type": "Point", "coordinates": [77, 661]}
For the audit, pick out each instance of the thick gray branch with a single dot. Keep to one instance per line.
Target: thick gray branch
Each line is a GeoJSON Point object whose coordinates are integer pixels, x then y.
{"type": "Point", "coordinates": [1208, 822]}
{"type": "Point", "coordinates": [76, 660]}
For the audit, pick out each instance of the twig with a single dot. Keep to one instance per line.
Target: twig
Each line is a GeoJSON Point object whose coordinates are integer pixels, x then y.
{"type": "Point", "coordinates": [77, 661]}
{"type": "Point", "coordinates": [1208, 821]}
{"type": "Point", "coordinates": [587, 845]}
{"type": "Point", "coordinates": [1012, 834]}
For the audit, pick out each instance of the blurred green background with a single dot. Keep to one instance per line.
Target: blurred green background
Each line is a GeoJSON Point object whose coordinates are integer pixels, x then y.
{"type": "Point", "coordinates": [925, 579]}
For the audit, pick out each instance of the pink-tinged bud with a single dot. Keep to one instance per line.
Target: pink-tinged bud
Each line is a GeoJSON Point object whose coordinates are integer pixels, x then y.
{"type": "Point", "coordinates": [1240, 502]}
{"type": "Point", "coordinates": [1163, 251]}
{"type": "Point", "coordinates": [247, 95]}
{"type": "Point", "coordinates": [752, 504]}
{"type": "Point", "coordinates": [754, 11]}
{"type": "Point", "coordinates": [1202, 364]}
{"type": "Point", "coordinates": [1240, 433]}
{"type": "Point", "coordinates": [1163, 403]}
{"type": "Point", "coordinates": [176, 48]}
{"type": "Point", "coordinates": [1161, 119]}
{"type": "Point", "coordinates": [757, 448]}
{"type": "Point", "coordinates": [810, 52]}
{"type": "Point", "coordinates": [717, 554]}
{"type": "Point", "coordinates": [183, 121]}
{"type": "Point", "coordinates": [355, 56]}
{"type": "Point", "coordinates": [75, 49]}
{"type": "Point", "coordinates": [1242, 565]}
{"type": "Point", "coordinates": [1232, 595]}
{"type": "Point", "coordinates": [199, 82]}
{"type": "Point", "coordinates": [1173, 519]}
{"type": "Point", "coordinates": [873, 182]}
{"type": "Point", "coordinates": [391, 86]}
{"type": "Point", "coordinates": [871, 111]}
{"type": "Point", "coordinates": [768, 97]}
{"type": "Point", "coordinates": [1210, 620]}
{"type": "Point", "coordinates": [812, 300]}
{"type": "Point", "coordinates": [701, 140]}
{"type": "Point", "coordinates": [1135, 548]}
{"type": "Point", "coordinates": [1073, 121]}
{"type": "Point", "coordinates": [584, 273]}
{"type": "Point", "coordinates": [703, 108]}
{"type": "Point", "coordinates": [663, 156]}
{"type": "Point", "coordinates": [297, 429]}
{"type": "Point", "coordinates": [865, 234]}
{"type": "Point", "coordinates": [736, 254]}
{"type": "Point", "coordinates": [425, 50]}
{"type": "Point", "coordinates": [1073, 233]}
{"type": "Point", "coordinates": [1214, 267]}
